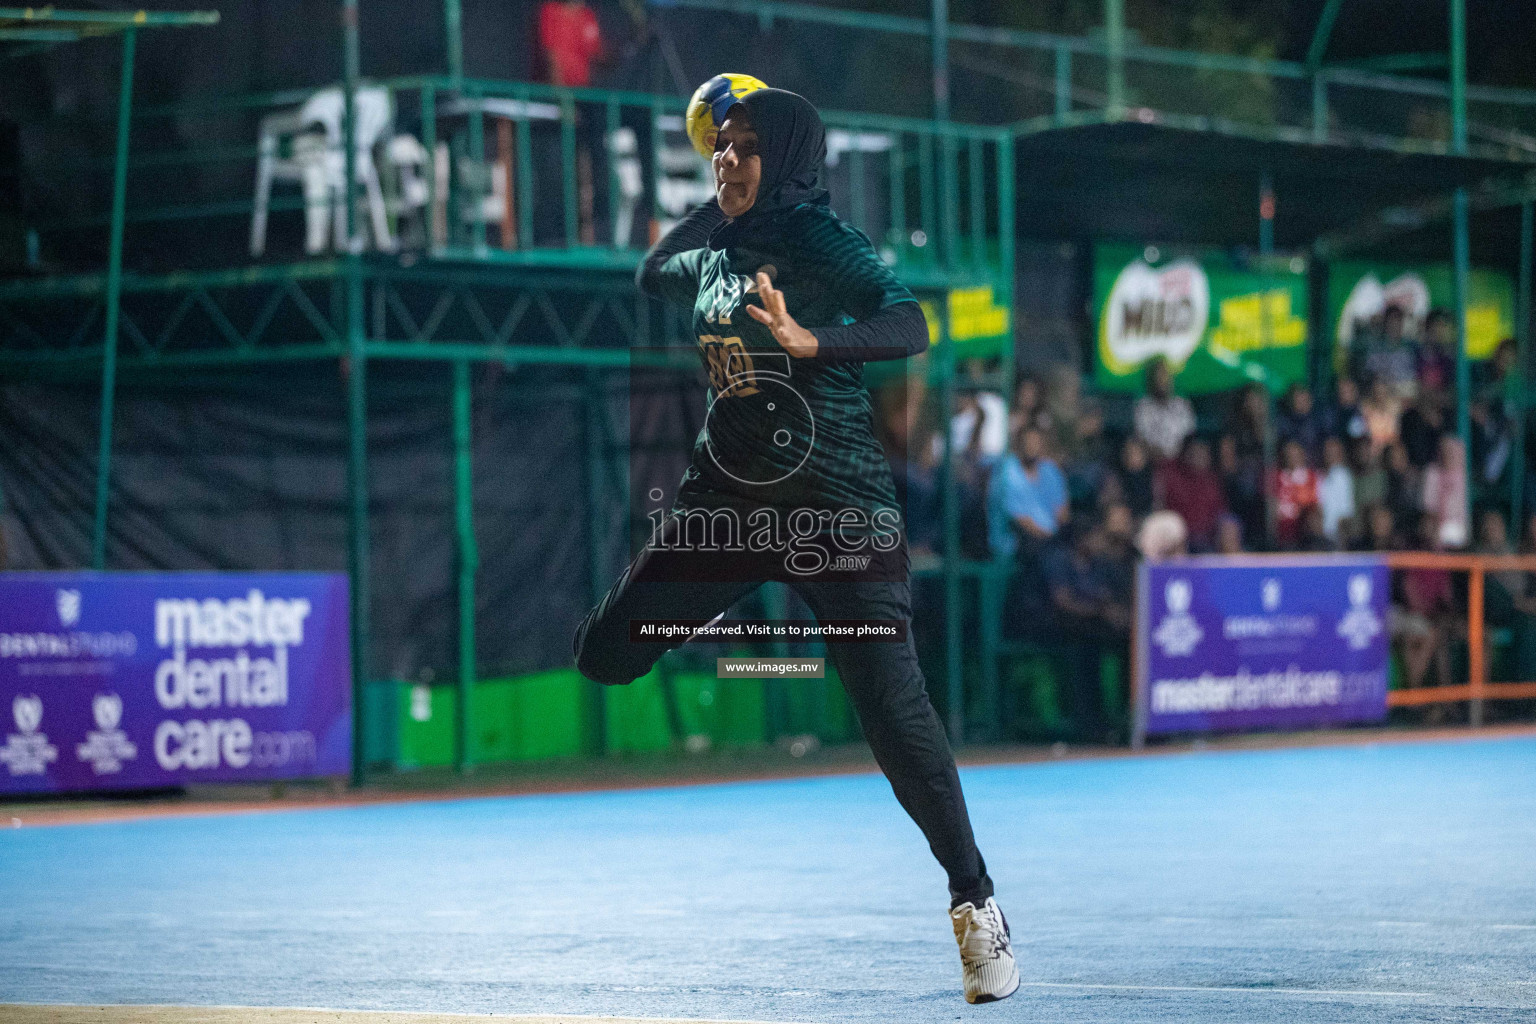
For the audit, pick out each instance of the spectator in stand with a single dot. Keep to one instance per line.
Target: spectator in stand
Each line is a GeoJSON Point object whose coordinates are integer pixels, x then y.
{"type": "Point", "coordinates": [1445, 492]}
{"type": "Point", "coordinates": [1089, 622]}
{"type": "Point", "coordinates": [1248, 421]}
{"type": "Point", "coordinates": [1495, 404]}
{"type": "Point", "coordinates": [1421, 428]}
{"type": "Point", "coordinates": [1295, 489]}
{"type": "Point", "coordinates": [1162, 537]}
{"type": "Point", "coordinates": [1163, 420]}
{"type": "Point", "coordinates": [1087, 461]}
{"type": "Point", "coordinates": [979, 426]}
{"type": "Point", "coordinates": [1370, 474]}
{"type": "Point", "coordinates": [1028, 409]}
{"type": "Point", "coordinates": [979, 412]}
{"type": "Point", "coordinates": [1381, 410]}
{"type": "Point", "coordinates": [570, 40]}
{"type": "Point", "coordinates": [1120, 549]}
{"type": "Point", "coordinates": [1389, 356]}
{"type": "Point", "coordinates": [1508, 603]}
{"type": "Point", "coordinates": [1421, 622]}
{"type": "Point", "coordinates": [1229, 536]}
{"type": "Point", "coordinates": [1027, 498]}
{"type": "Point", "coordinates": [1310, 536]}
{"type": "Point", "coordinates": [1190, 487]}
{"type": "Point", "coordinates": [1342, 417]}
{"type": "Point", "coordinates": [1298, 420]}
{"type": "Point", "coordinates": [1378, 531]}
{"type": "Point", "coordinates": [1405, 487]}
{"type": "Point", "coordinates": [1335, 489]}
{"type": "Point", "coordinates": [1242, 482]}
{"type": "Point", "coordinates": [1436, 364]}
{"type": "Point", "coordinates": [1135, 476]}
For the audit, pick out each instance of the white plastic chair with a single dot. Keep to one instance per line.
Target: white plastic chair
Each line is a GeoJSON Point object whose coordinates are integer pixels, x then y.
{"type": "Point", "coordinates": [317, 161]}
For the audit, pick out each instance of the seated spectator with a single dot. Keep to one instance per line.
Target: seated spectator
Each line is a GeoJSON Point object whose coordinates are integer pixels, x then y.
{"type": "Point", "coordinates": [1088, 454]}
{"type": "Point", "coordinates": [1248, 421]}
{"type": "Point", "coordinates": [1508, 602]}
{"type": "Point", "coordinates": [1495, 405]}
{"type": "Point", "coordinates": [1027, 497]}
{"type": "Point", "coordinates": [1027, 410]}
{"type": "Point", "coordinates": [1421, 428]}
{"type": "Point", "coordinates": [1089, 619]}
{"type": "Point", "coordinates": [1388, 356]}
{"type": "Point", "coordinates": [1162, 537]}
{"type": "Point", "coordinates": [1310, 536]}
{"type": "Point", "coordinates": [981, 418]}
{"type": "Point", "coordinates": [1190, 487]}
{"type": "Point", "coordinates": [1120, 548]}
{"type": "Point", "coordinates": [1342, 418]}
{"type": "Point", "coordinates": [1229, 535]}
{"type": "Point", "coordinates": [1335, 489]}
{"type": "Point", "coordinates": [1370, 474]}
{"type": "Point", "coordinates": [1445, 492]}
{"type": "Point", "coordinates": [1436, 363]}
{"type": "Point", "coordinates": [1382, 411]}
{"type": "Point", "coordinates": [1379, 532]}
{"type": "Point", "coordinates": [1295, 490]}
{"type": "Point", "coordinates": [1405, 490]}
{"type": "Point", "coordinates": [1420, 619]}
{"type": "Point", "coordinates": [1297, 420]}
{"type": "Point", "coordinates": [1163, 420]}
{"type": "Point", "coordinates": [1135, 476]}
{"type": "Point", "coordinates": [1242, 479]}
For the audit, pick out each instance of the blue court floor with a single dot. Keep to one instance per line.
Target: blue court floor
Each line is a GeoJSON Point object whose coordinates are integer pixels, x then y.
{"type": "Point", "coordinates": [1372, 883]}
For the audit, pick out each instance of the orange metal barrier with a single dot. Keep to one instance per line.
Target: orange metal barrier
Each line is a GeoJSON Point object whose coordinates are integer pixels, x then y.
{"type": "Point", "coordinates": [1478, 688]}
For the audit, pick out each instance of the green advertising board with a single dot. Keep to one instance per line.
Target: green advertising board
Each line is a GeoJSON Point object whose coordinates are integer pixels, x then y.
{"type": "Point", "coordinates": [1359, 293]}
{"type": "Point", "coordinates": [1220, 325]}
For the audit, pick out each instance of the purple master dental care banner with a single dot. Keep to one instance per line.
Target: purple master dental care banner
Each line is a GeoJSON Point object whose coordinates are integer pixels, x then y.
{"type": "Point", "coordinates": [1261, 643]}
{"type": "Point", "coordinates": [137, 680]}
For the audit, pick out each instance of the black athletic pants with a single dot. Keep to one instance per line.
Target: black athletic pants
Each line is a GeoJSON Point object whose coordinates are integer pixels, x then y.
{"type": "Point", "coordinates": [883, 680]}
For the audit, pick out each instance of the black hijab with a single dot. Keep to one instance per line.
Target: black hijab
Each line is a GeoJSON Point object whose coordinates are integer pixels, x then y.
{"type": "Point", "coordinates": [791, 143]}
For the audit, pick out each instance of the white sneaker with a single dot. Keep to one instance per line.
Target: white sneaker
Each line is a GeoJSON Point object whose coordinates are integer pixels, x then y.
{"type": "Point", "coordinates": [986, 957]}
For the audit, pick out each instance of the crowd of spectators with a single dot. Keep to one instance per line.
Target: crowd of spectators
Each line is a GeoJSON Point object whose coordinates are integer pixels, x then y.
{"type": "Point", "coordinates": [1373, 463]}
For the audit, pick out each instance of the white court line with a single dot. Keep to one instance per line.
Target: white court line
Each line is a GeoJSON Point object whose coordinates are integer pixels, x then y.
{"type": "Point", "coordinates": [1519, 926]}
{"type": "Point", "coordinates": [1222, 988]}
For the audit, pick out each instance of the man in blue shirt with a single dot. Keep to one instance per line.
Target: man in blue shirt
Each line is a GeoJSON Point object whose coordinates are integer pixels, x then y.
{"type": "Point", "coordinates": [1027, 496]}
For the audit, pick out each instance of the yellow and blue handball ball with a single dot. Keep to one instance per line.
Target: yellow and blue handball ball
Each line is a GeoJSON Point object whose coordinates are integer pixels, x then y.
{"type": "Point", "coordinates": [706, 111]}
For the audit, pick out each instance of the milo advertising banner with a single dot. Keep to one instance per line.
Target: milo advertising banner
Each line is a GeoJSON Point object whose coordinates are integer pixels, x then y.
{"type": "Point", "coordinates": [1359, 295]}
{"type": "Point", "coordinates": [1219, 325]}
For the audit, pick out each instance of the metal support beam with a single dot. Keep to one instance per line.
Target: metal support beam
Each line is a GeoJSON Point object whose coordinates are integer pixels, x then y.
{"type": "Point", "coordinates": [1461, 269]}
{"type": "Point", "coordinates": [1114, 39]}
{"type": "Point", "coordinates": [114, 302]}
{"type": "Point", "coordinates": [1063, 83]}
{"type": "Point", "coordinates": [597, 455]}
{"type": "Point", "coordinates": [954, 666]}
{"type": "Point", "coordinates": [1523, 303]}
{"type": "Point", "coordinates": [1459, 77]}
{"type": "Point", "coordinates": [1319, 108]}
{"type": "Point", "coordinates": [357, 403]}
{"type": "Point", "coordinates": [1321, 33]}
{"type": "Point", "coordinates": [941, 60]}
{"type": "Point", "coordinates": [453, 27]}
{"type": "Point", "coordinates": [469, 560]}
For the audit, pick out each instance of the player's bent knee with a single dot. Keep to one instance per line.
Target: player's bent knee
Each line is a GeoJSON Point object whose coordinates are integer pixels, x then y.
{"type": "Point", "coordinates": [600, 666]}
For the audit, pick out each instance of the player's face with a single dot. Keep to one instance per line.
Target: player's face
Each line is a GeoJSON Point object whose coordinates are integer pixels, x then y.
{"type": "Point", "coordinates": [738, 168]}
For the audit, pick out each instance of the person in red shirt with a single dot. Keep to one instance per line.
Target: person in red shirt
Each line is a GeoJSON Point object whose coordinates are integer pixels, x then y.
{"type": "Point", "coordinates": [570, 40]}
{"type": "Point", "coordinates": [1190, 487]}
{"type": "Point", "coordinates": [1295, 489]}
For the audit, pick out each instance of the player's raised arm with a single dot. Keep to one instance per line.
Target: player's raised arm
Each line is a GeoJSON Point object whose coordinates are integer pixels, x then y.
{"type": "Point", "coordinates": [671, 269]}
